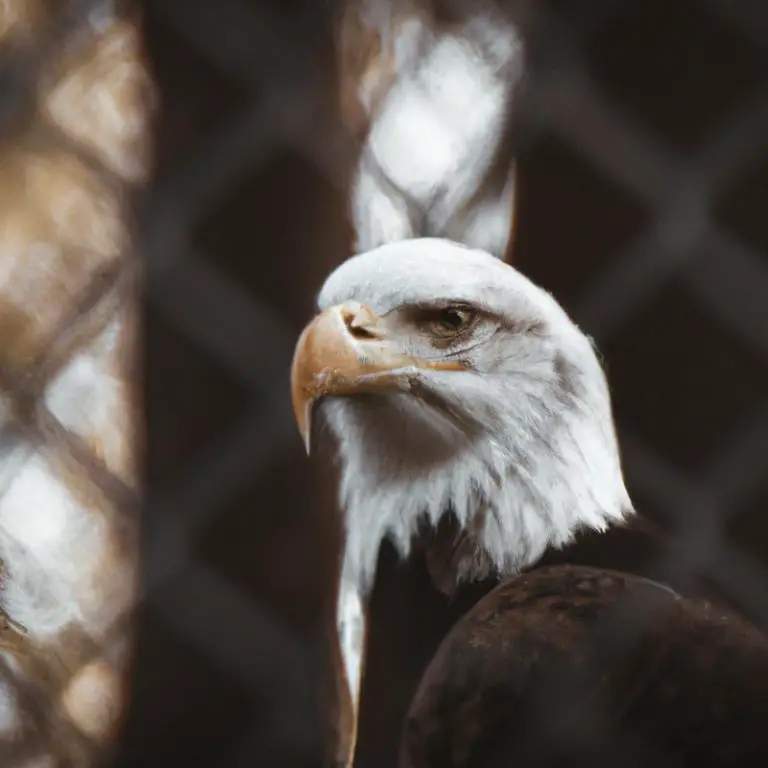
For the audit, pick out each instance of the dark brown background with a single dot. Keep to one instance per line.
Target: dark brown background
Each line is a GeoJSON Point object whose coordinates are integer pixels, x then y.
{"type": "Point", "coordinates": [642, 207]}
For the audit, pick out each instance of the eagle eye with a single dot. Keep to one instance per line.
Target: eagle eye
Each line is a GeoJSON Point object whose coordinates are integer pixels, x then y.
{"type": "Point", "coordinates": [446, 322]}
{"type": "Point", "coordinates": [453, 320]}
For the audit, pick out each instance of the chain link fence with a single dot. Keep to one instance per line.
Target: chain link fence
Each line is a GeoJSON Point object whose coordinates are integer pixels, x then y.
{"type": "Point", "coordinates": [74, 145]}
{"type": "Point", "coordinates": [642, 180]}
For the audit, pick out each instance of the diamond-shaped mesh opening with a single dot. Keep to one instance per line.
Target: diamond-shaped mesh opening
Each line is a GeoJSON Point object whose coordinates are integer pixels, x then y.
{"type": "Point", "coordinates": [255, 259]}
{"type": "Point", "coordinates": [675, 68]}
{"type": "Point", "coordinates": [270, 514]}
{"type": "Point", "coordinates": [177, 442]}
{"type": "Point", "coordinates": [172, 684]}
{"type": "Point", "coordinates": [595, 219]}
{"type": "Point", "coordinates": [675, 357]}
{"type": "Point", "coordinates": [199, 100]}
{"type": "Point", "coordinates": [741, 207]}
{"type": "Point", "coordinates": [747, 525]}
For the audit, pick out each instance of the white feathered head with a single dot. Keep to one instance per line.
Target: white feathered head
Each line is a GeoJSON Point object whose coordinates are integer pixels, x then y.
{"type": "Point", "coordinates": [451, 382]}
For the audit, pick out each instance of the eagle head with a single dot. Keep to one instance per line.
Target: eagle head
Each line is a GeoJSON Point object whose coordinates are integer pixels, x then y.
{"type": "Point", "coordinates": [452, 383]}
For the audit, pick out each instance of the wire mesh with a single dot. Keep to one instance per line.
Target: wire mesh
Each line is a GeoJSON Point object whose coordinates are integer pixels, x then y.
{"type": "Point", "coordinates": [639, 137]}
{"type": "Point", "coordinates": [73, 146]}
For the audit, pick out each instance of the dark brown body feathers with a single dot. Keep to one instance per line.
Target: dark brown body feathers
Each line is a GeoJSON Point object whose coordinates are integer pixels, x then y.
{"type": "Point", "coordinates": [574, 666]}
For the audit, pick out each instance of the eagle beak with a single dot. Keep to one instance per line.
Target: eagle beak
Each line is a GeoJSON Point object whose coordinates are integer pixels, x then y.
{"type": "Point", "coordinates": [346, 351]}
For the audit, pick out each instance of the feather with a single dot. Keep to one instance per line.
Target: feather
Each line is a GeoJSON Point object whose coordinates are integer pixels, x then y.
{"type": "Point", "coordinates": [576, 666]}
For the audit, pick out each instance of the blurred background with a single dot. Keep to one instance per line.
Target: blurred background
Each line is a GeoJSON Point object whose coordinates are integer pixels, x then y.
{"type": "Point", "coordinates": [642, 206]}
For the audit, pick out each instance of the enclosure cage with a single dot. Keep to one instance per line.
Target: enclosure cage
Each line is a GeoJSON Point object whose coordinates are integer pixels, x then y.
{"type": "Point", "coordinates": [176, 181]}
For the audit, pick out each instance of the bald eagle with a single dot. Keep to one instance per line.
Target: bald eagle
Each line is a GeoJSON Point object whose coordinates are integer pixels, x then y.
{"type": "Point", "coordinates": [451, 383]}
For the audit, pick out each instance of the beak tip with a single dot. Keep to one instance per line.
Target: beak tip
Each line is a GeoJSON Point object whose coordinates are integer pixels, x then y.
{"type": "Point", "coordinates": [305, 425]}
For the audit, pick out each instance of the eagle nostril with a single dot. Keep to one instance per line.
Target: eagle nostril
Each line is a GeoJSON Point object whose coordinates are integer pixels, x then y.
{"type": "Point", "coordinates": [361, 333]}
{"type": "Point", "coordinates": [361, 323]}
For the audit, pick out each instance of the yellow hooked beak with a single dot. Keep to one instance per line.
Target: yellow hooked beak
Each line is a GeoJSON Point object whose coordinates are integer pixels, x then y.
{"type": "Point", "coordinates": [346, 351]}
